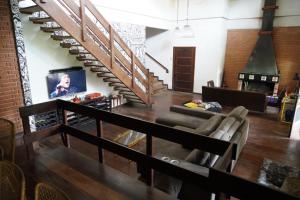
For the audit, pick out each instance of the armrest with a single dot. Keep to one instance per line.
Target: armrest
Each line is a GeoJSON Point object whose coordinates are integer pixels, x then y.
{"type": "Point", "coordinates": [183, 128]}
{"type": "Point", "coordinates": [193, 112]}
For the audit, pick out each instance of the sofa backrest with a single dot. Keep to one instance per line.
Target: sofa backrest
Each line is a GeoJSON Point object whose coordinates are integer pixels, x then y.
{"type": "Point", "coordinates": [210, 125]}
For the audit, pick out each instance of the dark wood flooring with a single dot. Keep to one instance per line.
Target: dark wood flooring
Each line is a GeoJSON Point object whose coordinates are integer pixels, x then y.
{"type": "Point", "coordinates": [268, 138]}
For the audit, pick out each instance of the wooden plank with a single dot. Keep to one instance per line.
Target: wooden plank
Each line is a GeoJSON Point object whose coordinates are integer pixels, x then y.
{"type": "Point", "coordinates": [85, 179]}
{"type": "Point", "coordinates": [132, 70]}
{"type": "Point", "coordinates": [98, 15]}
{"type": "Point", "coordinates": [90, 24]}
{"type": "Point", "coordinates": [99, 134]}
{"type": "Point", "coordinates": [37, 108]}
{"type": "Point", "coordinates": [83, 19]}
{"type": "Point", "coordinates": [112, 47]}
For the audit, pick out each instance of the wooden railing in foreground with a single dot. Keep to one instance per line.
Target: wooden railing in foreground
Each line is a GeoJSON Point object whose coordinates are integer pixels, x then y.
{"type": "Point", "coordinates": [85, 24]}
{"type": "Point", "coordinates": [217, 179]}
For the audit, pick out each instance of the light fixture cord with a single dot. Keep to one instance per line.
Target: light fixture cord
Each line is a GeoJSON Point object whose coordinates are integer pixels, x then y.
{"type": "Point", "coordinates": [177, 11]}
{"type": "Point", "coordinates": [187, 12]}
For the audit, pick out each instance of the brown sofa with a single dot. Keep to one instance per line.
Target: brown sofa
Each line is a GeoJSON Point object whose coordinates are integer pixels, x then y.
{"type": "Point", "coordinates": [253, 101]}
{"type": "Point", "coordinates": [232, 127]}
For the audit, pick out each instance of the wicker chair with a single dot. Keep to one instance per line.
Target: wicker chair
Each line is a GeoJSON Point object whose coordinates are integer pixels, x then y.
{"type": "Point", "coordinates": [12, 181]}
{"type": "Point", "coordinates": [7, 140]}
{"type": "Point", "coordinates": [44, 191]}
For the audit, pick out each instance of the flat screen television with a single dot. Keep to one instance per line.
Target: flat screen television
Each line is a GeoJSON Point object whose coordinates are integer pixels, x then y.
{"type": "Point", "coordinates": [66, 83]}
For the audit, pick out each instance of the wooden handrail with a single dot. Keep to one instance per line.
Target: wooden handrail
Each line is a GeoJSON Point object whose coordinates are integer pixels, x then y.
{"type": "Point", "coordinates": [87, 33]}
{"type": "Point", "coordinates": [213, 179]}
{"type": "Point", "coordinates": [157, 62]}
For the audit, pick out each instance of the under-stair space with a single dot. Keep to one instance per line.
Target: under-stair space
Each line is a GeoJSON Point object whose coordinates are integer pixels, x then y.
{"type": "Point", "coordinates": [91, 39]}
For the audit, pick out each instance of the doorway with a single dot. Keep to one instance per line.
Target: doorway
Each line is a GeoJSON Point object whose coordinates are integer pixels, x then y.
{"type": "Point", "coordinates": [183, 68]}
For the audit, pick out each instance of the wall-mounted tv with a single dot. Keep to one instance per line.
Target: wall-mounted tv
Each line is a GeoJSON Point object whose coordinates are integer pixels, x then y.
{"type": "Point", "coordinates": [66, 82]}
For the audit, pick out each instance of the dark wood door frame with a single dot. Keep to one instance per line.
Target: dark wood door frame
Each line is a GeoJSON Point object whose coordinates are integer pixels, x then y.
{"type": "Point", "coordinates": [192, 57]}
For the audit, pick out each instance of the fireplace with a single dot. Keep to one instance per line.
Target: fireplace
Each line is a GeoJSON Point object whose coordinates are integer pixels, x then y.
{"type": "Point", "coordinates": [260, 73]}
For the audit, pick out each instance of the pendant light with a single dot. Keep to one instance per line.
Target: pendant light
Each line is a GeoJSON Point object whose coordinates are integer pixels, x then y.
{"type": "Point", "coordinates": [177, 28]}
{"type": "Point", "coordinates": [187, 31]}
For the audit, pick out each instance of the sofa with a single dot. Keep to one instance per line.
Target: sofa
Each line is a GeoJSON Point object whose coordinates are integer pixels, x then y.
{"type": "Point", "coordinates": [233, 127]}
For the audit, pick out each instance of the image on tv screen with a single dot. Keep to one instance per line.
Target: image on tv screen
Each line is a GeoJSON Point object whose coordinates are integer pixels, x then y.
{"type": "Point", "coordinates": [66, 83]}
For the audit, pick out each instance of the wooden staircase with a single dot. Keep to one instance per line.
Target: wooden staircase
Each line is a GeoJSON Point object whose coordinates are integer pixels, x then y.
{"type": "Point", "coordinates": [80, 27]}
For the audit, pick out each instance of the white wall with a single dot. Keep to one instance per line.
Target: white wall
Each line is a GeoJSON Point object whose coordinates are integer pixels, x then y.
{"type": "Point", "coordinates": [44, 54]}
{"type": "Point", "coordinates": [210, 42]}
{"type": "Point", "coordinates": [152, 13]}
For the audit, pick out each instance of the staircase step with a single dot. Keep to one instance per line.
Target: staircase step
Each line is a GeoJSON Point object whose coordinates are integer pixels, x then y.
{"type": "Point", "coordinates": [40, 20]}
{"type": "Point", "coordinates": [92, 64]}
{"type": "Point", "coordinates": [86, 57]}
{"type": "Point", "coordinates": [59, 37]}
{"type": "Point", "coordinates": [127, 93]}
{"type": "Point", "coordinates": [76, 51]}
{"type": "Point", "coordinates": [106, 74]}
{"type": "Point", "coordinates": [135, 101]}
{"type": "Point", "coordinates": [159, 90]}
{"type": "Point", "coordinates": [124, 89]}
{"type": "Point", "coordinates": [30, 9]}
{"type": "Point", "coordinates": [132, 97]}
{"type": "Point", "coordinates": [112, 80]}
{"type": "Point", "coordinates": [119, 85]}
{"type": "Point", "coordinates": [99, 69]}
{"type": "Point", "coordinates": [68, 43]}
{"type": "Point", "coordinates": [51, 29]}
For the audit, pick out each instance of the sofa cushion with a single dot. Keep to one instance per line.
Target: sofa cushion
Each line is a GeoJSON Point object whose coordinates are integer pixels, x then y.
{"type": "Point", "coordinates": [231, 131]}
{"type": "Point", "coordinates": [211, 124]}
{"type": "Point", "coordinates": [223, 127]}
{"type": "Point", "coordinates": [239, 113]}
{"type": "Point", "coordinates": [177, 119]}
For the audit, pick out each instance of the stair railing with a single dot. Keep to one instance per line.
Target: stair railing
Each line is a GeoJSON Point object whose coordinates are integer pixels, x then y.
{"type": "Point", "coordinates": [157, 62]}
{"type": "Point", "coordinates": [85, 23]}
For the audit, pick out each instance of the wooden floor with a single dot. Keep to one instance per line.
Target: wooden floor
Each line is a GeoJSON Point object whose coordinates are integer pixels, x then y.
{"type": "Point", "coordinates": [268, 138]}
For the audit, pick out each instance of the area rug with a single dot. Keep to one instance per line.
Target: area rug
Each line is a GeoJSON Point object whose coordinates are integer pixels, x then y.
{"type": "Point", "coordinates": [280, 176]}
{"type": "Point", "coordinates": [129, 138]}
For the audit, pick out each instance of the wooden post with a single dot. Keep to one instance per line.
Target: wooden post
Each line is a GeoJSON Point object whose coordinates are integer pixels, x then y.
{"type": "Point", "coordinates": [26, 128]}
{"type": "Point", "coordinates": [132, 70]}
{"type": "Point", "coordinates": [149, 88]}
{"type": "Point", "coordinates": [64, 136]}
{"type": "Point", "coordinates": [149, 153]}
{"type": "Point", "coordinates": [83, 20]}
{"type": "Point", "coordinates": [112, 46]}
{"type": "Point", "coordinates": [99, 134]}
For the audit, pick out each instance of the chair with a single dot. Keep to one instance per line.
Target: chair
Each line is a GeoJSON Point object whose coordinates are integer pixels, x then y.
{"type": "Point", "coordinates": [210, 83]}
{"type": "Point", "coordinates": [12, 181]}
{"type": "Point", "coordinates": [44, 191]}
{"type": "Point", "coordinates": [7, 140]}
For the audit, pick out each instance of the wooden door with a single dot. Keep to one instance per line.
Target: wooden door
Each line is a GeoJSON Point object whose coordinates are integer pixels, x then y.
{"type": "Point", "coordinates": [183, 68]}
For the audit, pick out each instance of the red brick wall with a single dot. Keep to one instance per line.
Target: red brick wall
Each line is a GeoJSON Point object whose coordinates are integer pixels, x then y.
{"type": "Point", "coordinates": [240, 44]}
{"type": "Point", "coordinates": [11, 97]}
